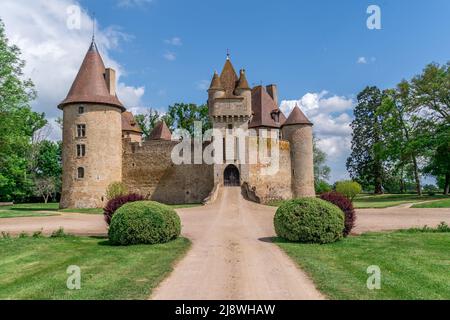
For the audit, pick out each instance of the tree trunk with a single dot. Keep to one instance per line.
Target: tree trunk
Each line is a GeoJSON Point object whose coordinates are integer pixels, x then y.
{"type": "Point", "coordinates": [447, 184]}
{"type": "Point", "coordinates": [416, 176]}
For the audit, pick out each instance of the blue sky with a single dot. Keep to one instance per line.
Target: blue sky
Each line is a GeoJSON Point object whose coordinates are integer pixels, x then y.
{"type": "Point", "coordinates": [303, 46]}
{"type": "Point", "coordinates": [320, 53]}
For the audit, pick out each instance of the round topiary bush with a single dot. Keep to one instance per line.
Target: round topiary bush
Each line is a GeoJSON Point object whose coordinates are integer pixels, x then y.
{"type": "Point", "coordinates": [144, 222]}
{"type": "Point", "coordinates": [309, 220]}
{"type": "Point", "coordinates": [345, 205]}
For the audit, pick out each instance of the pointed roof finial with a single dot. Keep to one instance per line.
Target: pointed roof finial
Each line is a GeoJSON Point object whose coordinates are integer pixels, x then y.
{"type": "Point", "coordinates": [228, 54]}
{"type": "Point", "coordinates": [93, 28]}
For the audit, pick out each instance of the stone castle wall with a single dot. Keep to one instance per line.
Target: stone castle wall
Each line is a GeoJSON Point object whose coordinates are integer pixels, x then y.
{"type": "Point", "coordinates": [148, 170]}
{"type": "Point", "coordinates": [276, 186]}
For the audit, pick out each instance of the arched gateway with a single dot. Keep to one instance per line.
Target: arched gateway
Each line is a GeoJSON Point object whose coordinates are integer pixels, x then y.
{"type": "Point", "coordinates": [232, 177]}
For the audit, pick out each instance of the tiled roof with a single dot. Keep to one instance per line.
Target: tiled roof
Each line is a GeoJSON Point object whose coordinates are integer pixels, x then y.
{"type": "Point", "coordinates": [263, 108]}
{"type": "Point", "coordinates": [129, 123]}
{"type": "Point", "coordinates": [215, 83]}
{"type": "Point", "coordinates": [161, 132]}
{"type": "Point", "coordinates": [297, 117]}
{"type": "Point", "coordinates": [90, 85]}
{"type": "Point", "coordinates": [228, 78]}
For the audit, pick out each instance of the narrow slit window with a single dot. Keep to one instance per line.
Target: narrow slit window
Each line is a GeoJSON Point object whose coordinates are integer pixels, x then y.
{"type": "Point", "coordinates": [81, 110]}
{"type": "Point", "coordinates": [80, 173]}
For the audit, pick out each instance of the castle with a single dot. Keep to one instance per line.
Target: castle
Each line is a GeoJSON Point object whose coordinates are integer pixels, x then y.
{"type": "Point", "coordinates": [102, 144]}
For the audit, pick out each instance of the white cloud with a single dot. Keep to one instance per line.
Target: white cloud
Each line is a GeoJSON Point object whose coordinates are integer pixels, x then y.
{"type": "Point", "coordinates": [202, 85]}
{"type": "Point", "coordinates": [54, 53]}
{"type": "Point", "coordinates": [132, 3]}
{"type": "Point", "coordinates": [170, 56]}
{"type": "Point", "coordinates": [364, 60]}
{"type": "Point", "coordinates": [361, 60]}
{"type": "Point", "coordinates": [331, 116]}
{"type": "Point", "coordinates": [175, 41]}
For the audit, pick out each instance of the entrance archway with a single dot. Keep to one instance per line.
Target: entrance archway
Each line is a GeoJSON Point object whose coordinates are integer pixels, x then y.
{"type": "Point", "coordinates": [231, 176]}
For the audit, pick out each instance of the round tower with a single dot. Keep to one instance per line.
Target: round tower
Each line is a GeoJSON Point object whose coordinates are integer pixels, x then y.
{"type": "Point", "coordinates": [298, 131]}
{"type": "Point", "coordinates": [92, 135]}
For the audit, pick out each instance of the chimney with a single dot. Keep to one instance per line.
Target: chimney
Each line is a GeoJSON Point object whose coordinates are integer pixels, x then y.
{"type": "Point", "coordinates": [110, 78]}
{"type": "Point", "coordinates": [272, 90]}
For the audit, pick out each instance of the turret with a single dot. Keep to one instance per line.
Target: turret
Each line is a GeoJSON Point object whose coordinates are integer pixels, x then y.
{"type": "Point", "coordinates": [243, 89]}
{"type": "Point", "coordinates": [92, 135]}
{"type": "Point", "coordinates": [298, 131]}
{"type": "Point", "coordinates": [215, 91]}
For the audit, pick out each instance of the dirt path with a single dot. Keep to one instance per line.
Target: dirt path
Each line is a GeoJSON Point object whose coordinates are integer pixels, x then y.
{"type": "Point", "coordinates": [401, 217]}
{"type": "Point", "coordinates": [73, 223]}
{"type": "Point", "coordinates": [232, 257]}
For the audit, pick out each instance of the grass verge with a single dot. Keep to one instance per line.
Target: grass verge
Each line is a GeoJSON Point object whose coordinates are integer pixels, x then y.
{"type": "Point", "coordinates": [35, 268]}
{"type": "Point", "coordinates": [435, 204]}
{"type": "Point", "coordinates": [414, 265]}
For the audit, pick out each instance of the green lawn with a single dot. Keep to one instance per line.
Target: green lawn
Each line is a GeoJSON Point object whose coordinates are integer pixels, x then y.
{"type": "Point", "coordinates": [34, 210]}
{"type": "Point", "coordinates": [435, 204]}
{"type": "Point", "coordinates": [391, 200]}
{"type": "Point", "coordinates": [35, 268]}
{"type": "Point", "coordinates": [29, 210]}
{"type": "Point", "coordinates": [414, 265]}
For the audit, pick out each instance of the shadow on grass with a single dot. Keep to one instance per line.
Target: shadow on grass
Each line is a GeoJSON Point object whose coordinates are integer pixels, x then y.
{"type": "Point", "coordinates": [275, 240]}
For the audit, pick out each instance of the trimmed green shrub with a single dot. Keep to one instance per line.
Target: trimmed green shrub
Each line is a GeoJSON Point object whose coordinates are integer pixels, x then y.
{"type": "Point", "coordinates": [115, 190]}
{"type": "Point", "coordinates": [350, 189]}
{"type": "Point", "coordinates": [144, 222]}
{"type": "Point", "coordinates": [322, 186]}
{"type": "Point", "coordinates": [309, 220]}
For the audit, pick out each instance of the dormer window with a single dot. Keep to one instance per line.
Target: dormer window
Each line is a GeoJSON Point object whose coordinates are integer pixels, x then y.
{"type": "Point", "coordinates": [81, 110]}
{"type": "Point", "coordinates": [276, 116]}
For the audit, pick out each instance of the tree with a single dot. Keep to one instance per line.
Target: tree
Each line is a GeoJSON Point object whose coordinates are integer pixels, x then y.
{"type": "Point", "coordinates": [431, 90]}
{"type": "Point", "coordinates": [45, 187]}
{"type": "Point", "coordinates": [321, 170]}
{"type": "Point", "coordinates": [148, 121]}
{"type": "Point", "coordinates": [18, 123]}
{"type": "Point", "coordinates": [183, 116]}
{"type": "Point", "coordinates": [402, 139]}
{"type": "Point", "coordinates": [365, 164]}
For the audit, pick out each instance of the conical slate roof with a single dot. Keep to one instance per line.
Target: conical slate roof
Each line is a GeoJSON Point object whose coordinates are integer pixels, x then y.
{"type": "Point", "coordinates": [297, 117]}
{"type": "Point", "coordinates": [161, 132]}
{"type": "Point", "coordinates": [215, 83]}
{"type": "Point", "coordinates": [243, 83]}
{"type": "Point", "coordinates": [228, 78]}
{"type": "Point", "coordinates": [90, 85]}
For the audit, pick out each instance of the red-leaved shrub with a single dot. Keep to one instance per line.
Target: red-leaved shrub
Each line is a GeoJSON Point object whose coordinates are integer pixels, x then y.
{"type": "Point", "coordinates": [345, 205]}
{"type": "Point", "coordinates": [114, 204]}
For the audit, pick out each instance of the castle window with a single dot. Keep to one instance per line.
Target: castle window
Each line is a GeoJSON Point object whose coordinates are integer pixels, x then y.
{"type": "Point", "coordinates": [81, 130]}
{"type": "Point", "coordinates": [80, 173]}
{"type": "Point", "coordinates": [230, 127]}
{"type": "Point", "coordinates": [81, 110]}
{"type": "Point", "coordinates": [81, 150]}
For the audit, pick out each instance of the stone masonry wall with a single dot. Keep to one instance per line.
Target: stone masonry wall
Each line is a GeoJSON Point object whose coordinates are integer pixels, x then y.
{"type": "Point", "coordinates": [148, 170]}
{"type": "Point", "coordinates": [276, 186]}
{"type": "Point", "coordinates": [103, 160]}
